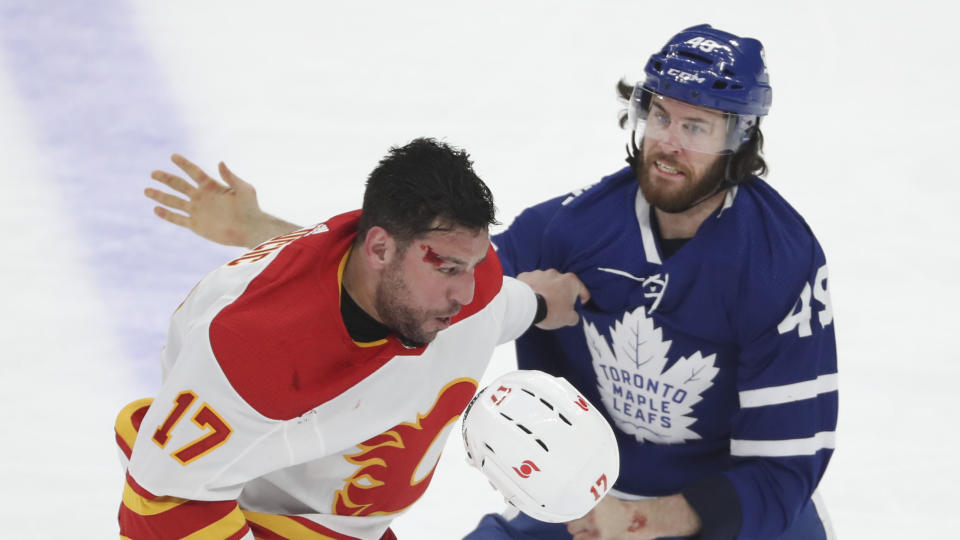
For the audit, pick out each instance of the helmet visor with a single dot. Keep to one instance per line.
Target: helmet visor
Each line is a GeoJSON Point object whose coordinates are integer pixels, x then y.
{"type": "Point", "coordinates": [698, 129]}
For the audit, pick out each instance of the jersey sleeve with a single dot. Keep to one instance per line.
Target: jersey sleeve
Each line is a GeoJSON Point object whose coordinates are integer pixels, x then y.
{"type": "Point", "coordinates": [784, 432]}
{"type": "Point", "coordinates": [515, 307]}
{"type": "Point", "coordinates": [195, 446]}
{"type": "Point", "coordinates": [520, 247]}
{"type": "Point", "coordinates": [147, 515]}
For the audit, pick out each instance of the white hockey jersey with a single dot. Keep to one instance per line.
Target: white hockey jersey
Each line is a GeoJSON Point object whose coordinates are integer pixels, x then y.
{"type": "Point", "coordinates": [294, 429]}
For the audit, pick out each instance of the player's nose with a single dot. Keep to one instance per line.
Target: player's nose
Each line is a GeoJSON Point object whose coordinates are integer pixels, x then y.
{"type": "Point", "coordinates": [463, 288]}
{"type": "Point", "coordinates": [672, 142]}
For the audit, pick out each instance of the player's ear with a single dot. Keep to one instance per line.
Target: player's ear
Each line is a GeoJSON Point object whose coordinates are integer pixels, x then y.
{"type": "Point", "coordinates": [379, 248]}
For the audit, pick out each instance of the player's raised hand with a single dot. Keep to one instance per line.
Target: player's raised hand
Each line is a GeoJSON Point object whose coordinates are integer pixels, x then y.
{"type": "Point", "coordinates": [216, 211]}
{"type": "Point", "coordinates": [226, 213]}
{"type": "Point", "coordinates": [561, 291]}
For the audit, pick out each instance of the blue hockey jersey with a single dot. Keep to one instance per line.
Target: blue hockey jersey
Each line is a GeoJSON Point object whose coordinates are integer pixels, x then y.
{"type": "Point", "coordinates": [717, 365]}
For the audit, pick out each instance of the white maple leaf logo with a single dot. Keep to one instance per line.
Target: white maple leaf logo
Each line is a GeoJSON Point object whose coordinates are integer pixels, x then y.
{"type": "Point", "coordinates": [644, 400]}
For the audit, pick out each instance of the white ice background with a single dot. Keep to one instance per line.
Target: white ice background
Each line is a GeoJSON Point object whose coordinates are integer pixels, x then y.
{"type": "Point", "coordinates": [302, 99]}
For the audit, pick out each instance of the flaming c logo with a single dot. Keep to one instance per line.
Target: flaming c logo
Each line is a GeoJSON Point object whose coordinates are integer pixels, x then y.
{"type": "Point", "coordinates": [582, 403]}
{"type": "Point", "coordinates": [500, 394]}
{"type": "Point", "coordinates": [526, 469]}
{"type": "Point", "coordinates": [385, 482]}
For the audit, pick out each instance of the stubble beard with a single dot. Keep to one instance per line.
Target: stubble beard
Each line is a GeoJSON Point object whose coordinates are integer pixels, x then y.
{"type": "Point", "coordinates": [392, 302]}
{"type": "Point", "coordinates": [677, 199]}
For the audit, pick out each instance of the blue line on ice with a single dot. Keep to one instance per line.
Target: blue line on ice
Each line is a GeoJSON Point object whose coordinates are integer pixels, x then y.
{"type": "Point", "coordinates": [104, 120]}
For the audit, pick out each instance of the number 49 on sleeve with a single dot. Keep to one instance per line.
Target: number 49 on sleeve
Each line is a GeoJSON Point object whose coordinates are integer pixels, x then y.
{"type": "Point", "coordinates": [798, 318]}
{"type": "Point", "coordinates": [207, 419]}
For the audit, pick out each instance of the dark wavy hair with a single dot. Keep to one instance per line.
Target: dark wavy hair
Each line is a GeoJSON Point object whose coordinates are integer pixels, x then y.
{"type": "Point", "coordinates": [740, 166]}
{"type": "Point", "coordinates": [423, 186]}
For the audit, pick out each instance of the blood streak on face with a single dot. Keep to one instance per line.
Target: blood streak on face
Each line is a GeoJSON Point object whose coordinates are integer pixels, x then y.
{"type": "Point", "coordinates": [431, 256]}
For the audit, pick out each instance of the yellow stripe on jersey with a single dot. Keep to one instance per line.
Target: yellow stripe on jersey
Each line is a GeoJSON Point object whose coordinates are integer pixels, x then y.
{"type": "Point", "coordinates": [148, 507]}
{"type": "Point", "coordinates": [222, 528]}
{"type": "Point", "coordinates": [343, 264]}
{"type": "Point", "coordinates": [284, 526]}
{"type": "Point", "coordinates": [124, 425]}
{"type": "Point", "coordinates": [368, 344]}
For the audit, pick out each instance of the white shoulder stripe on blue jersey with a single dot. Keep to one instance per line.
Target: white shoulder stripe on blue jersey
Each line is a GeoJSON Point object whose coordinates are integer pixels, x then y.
{"type": "Point", "coordinates": [646, 231]}
{"type": "Point", "coordinates": [822, 514]}
{"type": "Point", "coordinates": [784, 447]}
{"type": "Point", "coordinates": [775, 395]}
{"type": "Point", "coordinates": [728, 200]}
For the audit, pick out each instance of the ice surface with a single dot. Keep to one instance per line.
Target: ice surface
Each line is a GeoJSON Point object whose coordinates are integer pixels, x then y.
{"type": "Point", "coordinates": [302, 98]}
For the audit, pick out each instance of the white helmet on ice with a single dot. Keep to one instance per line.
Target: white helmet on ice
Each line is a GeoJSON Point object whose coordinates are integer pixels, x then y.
{"type": "Point", "coordinates": [542, 445]}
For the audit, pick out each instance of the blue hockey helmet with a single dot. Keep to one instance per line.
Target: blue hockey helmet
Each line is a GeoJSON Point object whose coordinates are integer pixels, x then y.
{"type": "Point", "coordinates": [711, 68]}
{"type": "Point", "coordinates": [704, 68]}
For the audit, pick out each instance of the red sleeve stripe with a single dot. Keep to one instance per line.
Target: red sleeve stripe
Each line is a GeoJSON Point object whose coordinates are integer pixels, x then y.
{"type": "Point", "coordinates": [144, 503]}
{"type": "Point", "coordinates": [128, 424]}
{"type": "Point", "coordinates": [140, 490]}
{"type": "Point", "coordinates": [230, 526]}
{"type": "Point", "coordinates": [143, 506]}
{"type": "Point", "coordinates": [214, 535]}
{"type": "Point", "coordinates": [246, 533]}
{"type": "Point", "coordinates": [144, 516]}
{"type": "Point", "coordinates": [273, 526]}
{"type": "Point", "coordinates": [193, 519]}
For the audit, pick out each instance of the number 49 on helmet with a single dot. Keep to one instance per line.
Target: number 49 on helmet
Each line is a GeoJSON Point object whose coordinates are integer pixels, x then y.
{"type": "Point", "coordinates": [542, 445]}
